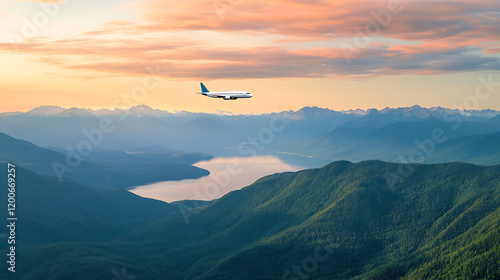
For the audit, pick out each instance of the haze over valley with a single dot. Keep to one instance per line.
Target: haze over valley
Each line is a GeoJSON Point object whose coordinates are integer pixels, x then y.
{"type": "Point", "coordinates": [146, 146]}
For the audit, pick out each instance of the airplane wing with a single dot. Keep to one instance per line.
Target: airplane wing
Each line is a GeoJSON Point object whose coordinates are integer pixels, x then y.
{"type": "Point", "coordinates": [213, 94]}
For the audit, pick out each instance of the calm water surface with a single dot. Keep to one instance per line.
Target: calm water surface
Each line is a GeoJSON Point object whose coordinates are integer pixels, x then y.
{"type": "Point", "coordinates": [226, 174]}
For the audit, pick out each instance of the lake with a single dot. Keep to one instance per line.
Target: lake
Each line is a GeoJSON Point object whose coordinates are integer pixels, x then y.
{"type": "Point", "coordinates": [226, 174]}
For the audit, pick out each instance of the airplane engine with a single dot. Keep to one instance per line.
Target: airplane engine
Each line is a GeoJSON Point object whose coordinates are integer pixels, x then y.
{"type": "Point", "coordinates": [229, 98]}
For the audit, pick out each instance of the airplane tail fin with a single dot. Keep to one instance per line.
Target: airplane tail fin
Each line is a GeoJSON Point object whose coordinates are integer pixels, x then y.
{"type": "Point", "coordinates": [203, 88]}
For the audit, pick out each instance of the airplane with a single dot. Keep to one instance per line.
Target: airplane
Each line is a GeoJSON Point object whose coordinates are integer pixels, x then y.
{"type": "Point", "coordinates": [226, 95]}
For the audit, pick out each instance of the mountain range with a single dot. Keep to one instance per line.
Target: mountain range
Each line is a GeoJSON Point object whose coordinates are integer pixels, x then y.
{"type": "Point", "coordinates": [306, 112]}
{"type": "Point", "coordinates": [321, 134]}
{"type": "Point", "coordinates": [103, 169]}
{"type": "Point", "coordinates": [414, 217]}
{"type": "Point", "coordinates": [397, 135]}
{"type": "Point", "coordinates": [342, 221]}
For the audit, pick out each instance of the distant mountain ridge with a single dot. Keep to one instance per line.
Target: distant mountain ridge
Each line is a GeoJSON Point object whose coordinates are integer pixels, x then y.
{"type": "Point", "coordinates": [45, 111]}
{"type": "Point", "coordinates": [320, 133]}
{"type": "Point", "coordinates": [306, 112]}
{"type": "Point", "coordinates": [389, 138]}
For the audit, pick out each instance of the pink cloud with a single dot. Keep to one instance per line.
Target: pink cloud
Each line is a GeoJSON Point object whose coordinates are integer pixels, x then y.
{"type": "Point", "coordinates": [193, 60]}
{"type": "Point", "coordinates": [409, 20]}
{"type": "Point", "coordinates": [432, 37]}
{"type": "Point", "coordinates": [493, 50]}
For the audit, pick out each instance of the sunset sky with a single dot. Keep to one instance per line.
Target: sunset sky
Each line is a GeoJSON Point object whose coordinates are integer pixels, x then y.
{"type": "Point", "coordinates": [288, 54]}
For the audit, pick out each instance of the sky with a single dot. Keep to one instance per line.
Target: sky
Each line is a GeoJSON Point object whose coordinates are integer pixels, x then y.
{"type": "Point", "coordinates": [289, 54]}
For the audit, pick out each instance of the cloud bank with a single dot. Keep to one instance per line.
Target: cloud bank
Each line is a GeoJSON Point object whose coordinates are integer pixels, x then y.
{"type": "Point", "coordinates": [310, 39]}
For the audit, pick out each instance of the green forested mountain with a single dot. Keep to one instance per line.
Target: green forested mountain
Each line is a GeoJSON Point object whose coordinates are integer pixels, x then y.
{"type": "Point", "coordinates": [369, 220]}
{"type": "Point", "coordinates": [111, 169]}
{"type": "Point", "coordinates": [49, 211]}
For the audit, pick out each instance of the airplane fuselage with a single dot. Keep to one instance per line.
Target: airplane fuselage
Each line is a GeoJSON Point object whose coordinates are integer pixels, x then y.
{"type": "Point", "coordinates": [226, 95]}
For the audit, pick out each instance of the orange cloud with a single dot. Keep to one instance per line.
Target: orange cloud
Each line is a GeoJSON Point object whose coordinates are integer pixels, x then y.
{"type": "Point", "coordinates": [431, 37]}
{"type": "Point", "coordinates": [405, 20]}
{"type": "Point", "coordinates": [188, 59]}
